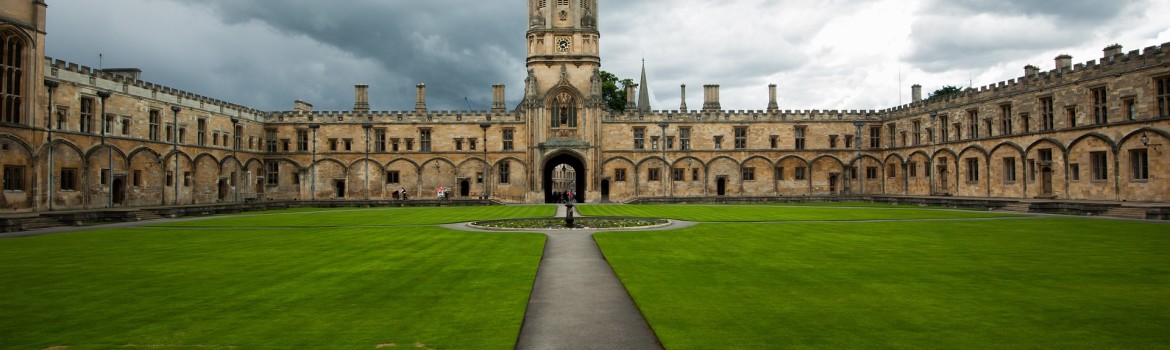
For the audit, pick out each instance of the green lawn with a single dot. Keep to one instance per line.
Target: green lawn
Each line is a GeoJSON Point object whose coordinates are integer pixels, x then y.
{"type": "Point", "coordinates": [761, 213]}
{"type": "Point", "coordinates": [1018, 284]}
{"type": "Point", "coordinates": [256, 287]}
{"type": "Point", "coordinates": [372, 217]}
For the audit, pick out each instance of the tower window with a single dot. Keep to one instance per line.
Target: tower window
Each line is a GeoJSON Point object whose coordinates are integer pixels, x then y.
{"type": "Point", "coordinates": [542, 4]}
{"type": "Point", "coordinates": [562, 2]}
{"type": "Point", "coordinates": [12, 76]}
{"type": "Point", "coordinates": [564, 111]}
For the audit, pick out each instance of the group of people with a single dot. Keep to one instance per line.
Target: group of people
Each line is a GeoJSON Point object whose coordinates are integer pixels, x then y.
{"type": "Point", "coordinates": [400, 194]}
{"type": "Point", "coordinates": [565, 197]}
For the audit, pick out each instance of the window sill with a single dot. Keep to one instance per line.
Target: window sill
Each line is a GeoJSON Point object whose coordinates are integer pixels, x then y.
{"type": "Point", "coordinates": [14, 191]}
{"type": "Point", "coordinates": [1143, 181]}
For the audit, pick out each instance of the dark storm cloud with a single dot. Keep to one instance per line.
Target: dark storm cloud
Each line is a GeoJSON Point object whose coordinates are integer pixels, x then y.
{"type": "Point", "coordinates": [980, 33]}
{"type": "Point", "coordinates": [458, 48]}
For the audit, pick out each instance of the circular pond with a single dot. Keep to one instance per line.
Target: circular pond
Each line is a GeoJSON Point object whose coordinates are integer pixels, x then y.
{"type": "Point", "coordinates": [552, 223]}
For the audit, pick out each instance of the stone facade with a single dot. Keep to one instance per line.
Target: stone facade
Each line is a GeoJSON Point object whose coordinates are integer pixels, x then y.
{"type": "Point", "coordinates": [1091, 131]}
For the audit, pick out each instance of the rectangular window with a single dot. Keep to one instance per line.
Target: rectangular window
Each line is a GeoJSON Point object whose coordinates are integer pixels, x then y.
{"type": "Point", "coordinates": [749, 174]}
{"type": "Point", "coordinates": [684, 138]}
{"type": "Point", "coordinates": [238, 137]}
{"type": "Point", "coordinates": [1100, 165]}
{"type": "Point", "coordinates": [1005, 119]}
{"type": "Point", "coordinates": [833, 141]}
{"type": "Point", "coordinates": [619, 175]}
{"type": "Point", "coordinates": [424, 140]}
{"type": "Point", "coordinates": [505, 169]}
{"type": "Point", "coordinates": [1027, 120]}
{"type": "Point", "coordinates": [471, 144]}
{"type": "Point", "coordinates": [973, 124]}
{"type": "Point", "coordinates": [875, 137]}
{"type": "Point", "coordinates": [126, 126]}
{"type": "Point", "coordinates": [972, 169]}
{"type": "Point", "coordinates": [1045, 155]}
{"type": "Point", "coordinates": [458, 144]}
{"type": "Point", "coordinates": [380, 140]}
{"type": "Point", "coordinates": [653, 142]}
{"type": "Point", "coordinates": [1100, 106]}
{"type": "Point", "coordinates": [62, 117]}
{"type": "Point", "coordinates": [917, 132]}
{"type": "Point", "coordinates": [1031, 170]}
{"type": "Point", "coordinates": [871, 173]}
{"type": "Point", "coordinates": [1047, 114]}
{"type": "Point", "coordinates": [912, 168]}
{"type": "Point", "coordinates": [695, 174]}
{"type": "Point", "coordinates": [302, 140]}
{"type": "Point", "coordinates": [137, 178]}
{"type": "Point", "coordinates": [678, 174]}
{"type": "Point", "coordinates": [1071, 112]}
{"type": "Point", "coordinates": [87, 112]}
{"type": "Point", "coordinates": [718, 142]}
{"type": "Point", "coordinates": [333, 145]}
{"type": "Point", "coordinates": [799, 173]}
{"type": "Point", "coordinates": [1009, 170]}
{"type": "Point", "coordinates": [69, 179]}
{"type": "Point", "coordinates": [892, 171]}
{"type": "Point", "coordinates": [779, 173]}
{"type": "Point", "coordinates": [741, 137]}
{"type": "Point", "coordinates": [848, 141]}
{"type": "Point", "coordinates": [215, 138]}
{"type": "Point", "coordinates": [409, 144]}
{"type": "Point", "coordinates": [479, 177]}
{"type": "Point", "coordinates": [509, 135]}
{"type": "Point", "coordinates": [104, 176]}
{"type": "Point", "coordinates": [1130, 109]}
{"type": "Point", "coordinates": [394, 145]}
{"type": "Point", "coordinates": [1139, 160]}
{"type": "Point", "coordinates": [270, 140]}
{"type": "Point", "coordinates": [670, 142]}
{"type": "Point", "coordinates": [296, 177]}
{"type": "Point", "coordinates": [155, 121]}
{"type": "Point", "coordinates": [893, 132]}
{"type": "Point", "coordinates": [652, 174]}
{"type": "Point", "coordinates": [392, 177]}
{"type": "Point", "coordinates": [170, 178]}
{"type": "Point", "coordinates": [348, 145]}
{"type": "Point", "coordinates": [773, 142]}
{"type": "Point", "coordinates": [286, 145]}
{"type": "Point", "coordinates": [1163, 96]}
{"type": "Point", "coordinates": [272, 173]}
{"type": "Point", "coordinates": [201, 132]}
{"type": "Point", "coordinates": [187, 179]}
{"type": "Point", "coordinates": [799, 134]}
{"type": "Point", "coordinates": [1074, 171]}
{"type": "Point", "coordinates": [639, 138]}
{"type": "Point", "coordinates": [958, 131]}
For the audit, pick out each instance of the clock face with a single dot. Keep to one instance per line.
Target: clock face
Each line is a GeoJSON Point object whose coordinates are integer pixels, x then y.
{"type": "Point", "coordinates": [563, 44]}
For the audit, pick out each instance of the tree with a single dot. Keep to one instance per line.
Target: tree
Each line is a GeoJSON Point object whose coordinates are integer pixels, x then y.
{"type": "Point", "coordinates": [614, 95]}
{"type": "Point", "coordinates": [945, 92]}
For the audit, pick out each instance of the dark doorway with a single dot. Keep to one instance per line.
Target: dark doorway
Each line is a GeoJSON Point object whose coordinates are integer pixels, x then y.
{"type": "Point", "coordinates": [833, 179]}
{"type": "Point", "coordinates": [464, 189]}
{"type": "Point", "coordinates": [1046, 181]}
{"type": "Point", "coordinates": [578, 167]}
{"type": "Point", "coordinates": [944, 186]}
{"type": "Point", "coordinates": [340, 186]}
{"type": "Point", "coordinates": [223, 189]}
{"type": "Point", "coordinates": [119, 190]}
{"type": "Point", "coordinates": [604, 190]}
{"type": "Point", "coordinates": [721, 186]}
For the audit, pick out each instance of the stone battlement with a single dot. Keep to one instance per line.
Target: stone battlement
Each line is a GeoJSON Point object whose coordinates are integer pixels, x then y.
{"type": "Point", "coordinates": [390, 116]}
{"type": "Point", "coordinates": [817, 115]}
{"type": "Point", "coordinates": [175, 95]}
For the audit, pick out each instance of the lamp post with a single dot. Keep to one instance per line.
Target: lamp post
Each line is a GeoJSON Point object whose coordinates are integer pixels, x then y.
{"type": "Point", "coordinates": [235, 155]}
{"type": "Point", "coordinates": [367, 127]}
{"type": "Point", "coordinates": [52, 85]}
{"type": "Point", "coordinates": [313, 166]}
{"type": "Point", "coordinates": [109, 152]}
{"type": "Point", "coordinates": [175, 149]}
{"type": "Point", "coordinates": [663, 125]}
{"type": "Point", "coordinates": [486, 165]}
{"type": "Point", "coordinates": [438, 180]}
{"type": "Point", "coordinates": [933, 145]}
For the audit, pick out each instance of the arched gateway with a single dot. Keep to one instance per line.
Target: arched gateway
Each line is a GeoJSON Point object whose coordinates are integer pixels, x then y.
{"type": "Point", "coordinates": [575, 179]}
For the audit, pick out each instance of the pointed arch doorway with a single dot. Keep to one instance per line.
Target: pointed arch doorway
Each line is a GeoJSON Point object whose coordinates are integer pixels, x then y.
{"type": "Point", "coordinates": [564, 171]}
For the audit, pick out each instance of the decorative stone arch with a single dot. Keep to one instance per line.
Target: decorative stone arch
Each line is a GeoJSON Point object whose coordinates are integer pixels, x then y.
{"type": "Point", "coordinates": [1130, 188]}
{"type": "Point", "coordinates": [692, 159]}
{"type": "Point", "coordinates": [571, 158]}
{"type": "Point", "coordinates": [565, 105]}
{"type": "Point", "coordinates": [436, 160]}
{"type": "Point", "coordinates": [1138, 133]}
{"type": "Point", "coordinates": [472, 159]}
{"type": "Point", "coordinates": [833, 182]}
{"type": "Point", "coordinates": [223, 163]}
{"type": "Point", "coordinates": [510, 160]}
{"type": "Point", "coordinates": [202, 156]}
{"type": "Point", "coordinates": [656, 159]}
{"type": "Point", "coordinates": [947, 150]}
{"type": "Point", "coordinates": [1112, 144]}
{"type": "Point", "coordinates": [713, 177]}
{"type": "Point", "coordinates": [765, 159]}
{"type": "Point", "coordinates": [1063, 149]}
{"type": "Point", "coordinates": [976, 148]}
{"type": "Point", "coordinates": [764, 176]}
{"type": "Point", "coordinates": [402, 160]}
{"type": "Point", "coordinates": [359, 161]}
{"type": "Point", "coordinates": [56, 144]}
{"type": "Point", "coordinates": [617, 159]}
{"type": "Point", "coordinates": [11, 139]}
{"type": "Point", "coordinates": [99, 147]}
{"type": "Point", "coordinates": [1011, 145]}
{"type": "Point", "coordinates": [140, 150]}
{"type": "Point", "coordinates": [327, 160]}
{"type": "Point", "coordinates": [718, 158]}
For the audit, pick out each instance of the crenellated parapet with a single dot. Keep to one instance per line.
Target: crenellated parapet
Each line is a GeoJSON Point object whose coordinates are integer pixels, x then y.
{"type": "Point", "coordinates": [127, 85]}
{"type": "Point", "coordinates": [1114, 63]}
{"type": "Point", "coordinates": [391, 117]}
{"type": "Point", "coordinates": [747, 116]}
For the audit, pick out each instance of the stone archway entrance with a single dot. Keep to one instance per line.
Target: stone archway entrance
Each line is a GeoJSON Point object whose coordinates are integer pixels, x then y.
{"type": "Point", "coordinates": [464, 188]}
{"type": "Point", "coordinates": [575, 179]}
{"type": "Point", "coordinates": [119, 190]}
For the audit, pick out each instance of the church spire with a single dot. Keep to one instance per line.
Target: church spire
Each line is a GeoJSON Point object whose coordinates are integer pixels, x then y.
{"type": "Point", "coordinates": [643, 92]}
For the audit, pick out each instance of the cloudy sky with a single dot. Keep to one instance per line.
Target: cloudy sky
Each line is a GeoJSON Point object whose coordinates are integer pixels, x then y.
{"type": "Point", "coordinates": [823, 54]}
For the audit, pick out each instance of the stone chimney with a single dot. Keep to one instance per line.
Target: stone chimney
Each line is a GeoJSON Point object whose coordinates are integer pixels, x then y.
{"type": "Point", "coordinates": [772, 104]}
{"type": "Point", "coordinates": [916, 93]}
{"type": "Point", "coordinates": [631, 97]}
{"type": "Point", "coordinates": [1030, 70]}
{"type": "Point", "coordinates": [361, 98]}
{"type": "Point", "coordinates": [1063, 62]}
{"type": "Point", "coordinates": [711, 98]}
{"type": "Point", "coordinates": [1112, 50]}
{"type": "Point", "coordinates": [683, 107]}
{"type": "Point", "coordinates": [300, 106]}
{"type": "Point", "coordinates": [498, 105]}
{"type": "Point", "coordinates": [420, 104]}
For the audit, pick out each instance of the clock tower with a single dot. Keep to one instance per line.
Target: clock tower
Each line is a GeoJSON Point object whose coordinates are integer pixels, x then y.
{"type": "Point", "coordinates": [563, 103]}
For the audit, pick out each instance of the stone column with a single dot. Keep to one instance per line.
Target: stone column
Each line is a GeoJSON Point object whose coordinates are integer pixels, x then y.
{"type": "Point", "coordinates": [632, 97]}
{"type": "Point", "coordinates": [498, 105]}
{"type": "Point", "coordinates": [773, 106]}
{"type": "Point", "coordinates": [711, 98]}
{"type": "Point", "coordinates": [420, 106]}
{"type": "Point", "coordinates": [683, 107]}
{"type": "Point", "coordinates": [361, 98]}
{"type": "Point", "coordinates": [916, 93]}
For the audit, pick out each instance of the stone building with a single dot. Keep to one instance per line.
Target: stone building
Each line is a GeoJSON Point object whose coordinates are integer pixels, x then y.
{"type": "Point", "coordinates": [74, 137]}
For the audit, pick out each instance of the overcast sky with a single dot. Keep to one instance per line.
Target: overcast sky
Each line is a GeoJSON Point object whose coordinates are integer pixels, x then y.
{"type": "Point", "coordinates": [823, 54]}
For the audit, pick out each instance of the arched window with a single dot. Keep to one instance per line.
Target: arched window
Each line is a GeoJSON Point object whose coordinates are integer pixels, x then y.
{"type": "Point", "coordinates": [564, 111]}
{"type": "Point", "coordinates": [11, 76]}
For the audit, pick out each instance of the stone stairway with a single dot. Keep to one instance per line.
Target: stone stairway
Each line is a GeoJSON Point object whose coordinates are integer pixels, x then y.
{"type": "Point", "coordinates": [1127, 212]}
{"type": "Point", "coordinates": [1019, 207]}
{"type": "Point", "coordinates": [39, 223]}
